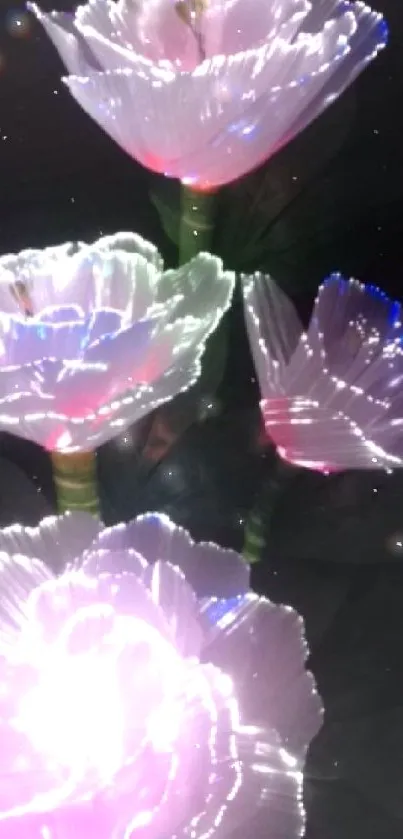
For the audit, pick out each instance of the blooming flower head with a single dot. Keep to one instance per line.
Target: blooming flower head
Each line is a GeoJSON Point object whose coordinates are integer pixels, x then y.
{"type": "Point", "coordinates": [331, 396]}
{"type": "Point", "coordinates": [145, 688]}
{"type": "Point", "coordinates": [93, 337]}
{"type": "Point", "coordinates": [206, 90]}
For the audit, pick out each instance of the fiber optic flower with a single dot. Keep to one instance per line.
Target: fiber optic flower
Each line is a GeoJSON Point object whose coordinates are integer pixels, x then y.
{"type": "Point", "coordinates": [332, 396]}
{"type": "Point", "coordinates": [132, 698]}
{"type": "Point", "coordinates": [94, 337]}
{"type": "Point", "coordinates": [206, 90]}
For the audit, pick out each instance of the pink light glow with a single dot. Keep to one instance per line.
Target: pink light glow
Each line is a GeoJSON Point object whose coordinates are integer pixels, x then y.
{"type": "Point", "coordinates": [103, 690]}
{"type": "Point", "coordinates": [284, 421]}
{"type": "Point", "coordinates": [126, 703]}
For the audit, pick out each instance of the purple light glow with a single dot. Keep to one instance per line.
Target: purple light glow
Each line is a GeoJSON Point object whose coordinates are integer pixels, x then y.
{"type": "Point", "coordinates": [127, 703]}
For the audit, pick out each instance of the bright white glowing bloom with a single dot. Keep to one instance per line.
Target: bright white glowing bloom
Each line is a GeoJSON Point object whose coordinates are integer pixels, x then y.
{"type": "Point", "coordinates": [332, 397]}
{"type": "Point", "coordinates": [145, 688]}
{"type": "Point", "coordinates": [93, 337]}
{"type": "Point", "coordinates": [206, 90]}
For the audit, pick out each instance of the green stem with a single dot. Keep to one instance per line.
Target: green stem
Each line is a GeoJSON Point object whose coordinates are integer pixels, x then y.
{"type": "Point", "coordinates": [258, 524]}
{"type": "Point", "coordinates": [196, 224]}
{"type": "Point", "coordinates": [75, 480]}
{"type": "Point", "coordinates": [173, 419]}
{"type": "Point", "coordinates": [196, 233]}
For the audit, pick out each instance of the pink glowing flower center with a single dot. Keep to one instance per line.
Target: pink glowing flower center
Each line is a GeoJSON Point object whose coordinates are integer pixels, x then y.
{"type": "Point", "coordinates": [103, 691]}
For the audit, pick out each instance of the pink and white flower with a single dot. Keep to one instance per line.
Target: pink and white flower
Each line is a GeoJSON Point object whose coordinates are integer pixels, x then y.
{"type": "Point", "coordinates": [93, 337]}
{"type": "Point", "coordinates": [206, 90]}
{"type": "Point", "coordinates": [133, 699]}
{"type": "Point", "coordinates": [331, 395]}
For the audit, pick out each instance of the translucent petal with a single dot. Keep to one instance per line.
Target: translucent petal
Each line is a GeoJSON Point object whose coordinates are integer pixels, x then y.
{"type": "Point", "coordinates": [198, 752]}
{"type": "Point", "coordinates": [23, 342]}
{"type": "Point", "coordinates": [273, 329]}
{"type": "Point", "coordinates": [258, 794]}
{"type": "Point", "coordinates": [121, 30]}
{"type": "Point", "coordinates": [331, 397]}
{"type": "Point", "coordinates": [262, 647]}
{"type": "Point", "coordinates": [19, 577]}
{"type": "Point", "coordinates": [57, 540]}
{"type": "Point", "coordinates": [243, 26]}
{"type": "Point", "coordinates": [131, 242]}
{"type": "Point", "coordinates": [203, 286]}
{"type": "Point", "coordinates": [79, 822]}
{"type": "Point", "coordinates": [103, 347]}
{"type": "Point", "coordinates": [102, 561]}
{"type": "Point", "coordinates": [175, 597]}
{"type": "Point", "coordinates": [209, 570]}
{"type": "Point", "coordinates": [71, 46]}
{"type": "Point", "coordinates": [84, 598]}
{"type": "Point", "coordinates": [234, 110]}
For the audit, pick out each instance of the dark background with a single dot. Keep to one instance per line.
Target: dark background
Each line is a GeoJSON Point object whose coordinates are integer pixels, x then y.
{"type": "Point", "coordinates": [334, 200]}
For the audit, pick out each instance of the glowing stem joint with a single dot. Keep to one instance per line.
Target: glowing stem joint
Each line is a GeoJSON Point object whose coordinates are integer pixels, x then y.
{"type": "Point", "coordinates": [75, 480]}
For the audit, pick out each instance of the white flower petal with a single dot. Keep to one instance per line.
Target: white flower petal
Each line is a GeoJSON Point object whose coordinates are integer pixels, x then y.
{"type": "Point", "coordinates": [71, 46]}
{"type": "Point", "coordinates": [131, 243]}
{"type": "Point", "coordinates": [56, 541]}
{"type": "Point", "coordinates": [225, 117]}
{"type": "Point", "coordinates": [273, 329]}
{"type": "Point", "coordinates": [175, 597]}
{"type": "Point", "coordinates": [264, 650]}
{"type": "Point", "coordinates": [209, 569]}
{"type": "Point", "coordinates": [19, 577]}
{"type": "Point", "coordinates": [103, 346]}
{"type": "Point", "coordinates": [199, 283]}
{"type": "Point", "coordinates": [194, 747]}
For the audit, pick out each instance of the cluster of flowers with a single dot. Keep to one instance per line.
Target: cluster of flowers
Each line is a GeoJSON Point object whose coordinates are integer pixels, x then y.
{"type": "Point", "coordinates": [143, 687]}
{"type": "Point", "coordinates": [110, 336]}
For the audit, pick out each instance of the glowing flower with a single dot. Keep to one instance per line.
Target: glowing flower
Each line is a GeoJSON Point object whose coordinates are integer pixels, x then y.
{"type": "Point", "coordinates": [206, 90]}
{"type": "Point", "coordinates": [94, 337]}
{"type": "Point", "coordinates": [332, 396]}
{"type": "Point", "coordinates": [133, 700]}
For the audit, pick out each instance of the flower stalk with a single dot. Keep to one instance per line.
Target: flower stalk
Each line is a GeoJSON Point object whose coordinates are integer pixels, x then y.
{"type": "Point", "coordinates": [196, 234]}
{"type": "Point", "coordinates": [258, 524]}
{"type": "Point", "coordinates": [196, 223]}
{"type": "Point", "coordinates": [75, 481]}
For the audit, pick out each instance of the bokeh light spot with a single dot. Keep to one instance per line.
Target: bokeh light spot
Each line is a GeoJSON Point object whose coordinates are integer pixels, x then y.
{"type": "Point", "coordinates": [18, 23]}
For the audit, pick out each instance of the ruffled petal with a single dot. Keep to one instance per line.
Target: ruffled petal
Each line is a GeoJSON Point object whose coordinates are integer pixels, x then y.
{"type": "Point", "coordinates": [131, 243]}
{"type": "Point", "coordinates": [256, 790]}
{"type": "Point", "coordinates": [19, 577]}
{"type": "Point", "coordinates": [262, 647]}
{"type": "Point", "coordinates": [57, 540]}
{"type": "Point", "coordinates": [96, 561]}
{"type": "Point", "coordinates": [24, 342]}
{"type": "Point", "coordinates": [209, 570]}
{"type": "Point", "coordinates": [176, 598]}
{"type": "Point", "coordinates": [204, 289]}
